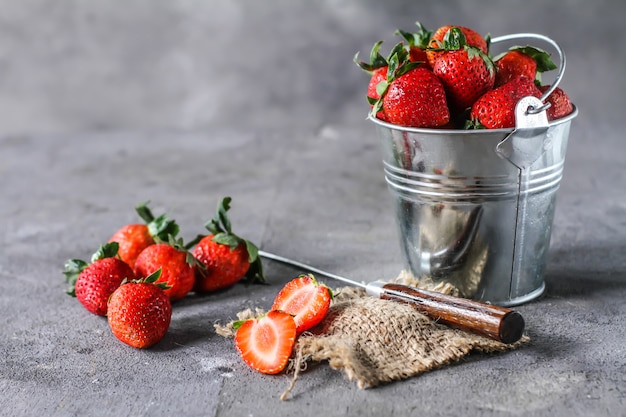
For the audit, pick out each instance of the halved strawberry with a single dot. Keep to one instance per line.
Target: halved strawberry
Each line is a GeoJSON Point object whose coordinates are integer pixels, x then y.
{"type": "Point", "coordinates": [306, 300]}
{"type": "Point", "coordinates": [265, 343]}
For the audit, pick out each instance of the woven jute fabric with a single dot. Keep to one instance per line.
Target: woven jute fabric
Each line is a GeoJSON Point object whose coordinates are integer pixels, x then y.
{"type": "Point", "coordinates": [376, 341]}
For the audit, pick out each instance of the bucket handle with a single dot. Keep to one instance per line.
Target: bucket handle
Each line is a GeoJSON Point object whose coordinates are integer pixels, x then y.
{"type": "Point", "coordinates": [559, 51]}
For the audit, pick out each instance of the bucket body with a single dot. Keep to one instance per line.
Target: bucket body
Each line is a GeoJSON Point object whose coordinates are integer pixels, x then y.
{"type": "Point", "coordinates": [474, 208]}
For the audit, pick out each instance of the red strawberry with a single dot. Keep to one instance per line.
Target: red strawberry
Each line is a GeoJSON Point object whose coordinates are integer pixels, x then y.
{"type": "Point", "coordinates": [560, 103]}
{"type": "Point", "coordinates": [175, 262]}
{"type": "Point", "coordinates": [225, 258]}
{"type": "Point", "coordinates": [411, 95]}
{"type": "Point", "coordinates": [265, 344]}
{"type": "Point", "coordinates": [416, 99]}
{"type": "Point", "coordinates": [140, 312]}
{"type": "Point", "coordinates": [464, 70]}
{"type": "Point", "coordinates": [378, 75]}
{"type": "Point", "coordinates": [418, 43]}
{"type": "Point", "coordinates": [526, 61]}
{"type": "Point", "coordinates": [437, 40]}
{"type": "Point", "coordinates": [496, 109]}
{"type": "Point", "coordinates": [306, 300]}
{"type": "Point", "coordinates": [133, 238]}
{"type": "Point", "coordinates": [92, 284]}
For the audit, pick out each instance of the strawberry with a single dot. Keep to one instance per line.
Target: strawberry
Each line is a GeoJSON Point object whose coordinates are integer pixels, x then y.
{"type": "Point", "coordinates": [133, 238]}
{"type": "Point", "coordinates": [526, 61]}
{"type": "Point", "coordinates": [465, 71]}
{"type": "Point", "coordinates": [496, 108]}
{"type": "Point", "coordinates": [175, 262]}
{"type": "Point", "coordinates": [411, 95]}
{"type": "Point", "coordinates": [437, 40]}
{"type": "Point", "coordinates": [140, 312]}
{"type": "Point", "coordinates": [306, 300]}
{"type": "Point", "coordinates": [265, 343]}
{"type": "Point", "coordinates": [378, 75]}
{"type": "Point", "coordinates": [560, 103]}
{"type": "Point", "coordinates": [224, 258]}
{"type": "Point", "coordinates": [418, 43]}
{"type": "Point", "coordinates": [92, 284]}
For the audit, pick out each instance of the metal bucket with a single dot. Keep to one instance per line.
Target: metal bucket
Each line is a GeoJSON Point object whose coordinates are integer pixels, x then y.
{"type": "Point", "coordinates": [474, 208]}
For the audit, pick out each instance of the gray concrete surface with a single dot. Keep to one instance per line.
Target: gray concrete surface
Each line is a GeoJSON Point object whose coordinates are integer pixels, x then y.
{"type": "Point", "coordinates": [104, 105]}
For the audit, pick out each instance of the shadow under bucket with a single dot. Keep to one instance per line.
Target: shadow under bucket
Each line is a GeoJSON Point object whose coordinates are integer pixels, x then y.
{"type": "Point", "coordinates": [474, 208]}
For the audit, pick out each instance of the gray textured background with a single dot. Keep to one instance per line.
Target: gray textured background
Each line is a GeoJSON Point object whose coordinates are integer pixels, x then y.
{"type": "Point", "coordinates": [106, 104]}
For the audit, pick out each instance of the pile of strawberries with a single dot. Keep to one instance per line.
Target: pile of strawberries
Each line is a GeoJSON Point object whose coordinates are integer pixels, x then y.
{"type": "Point", "coordinates": [449, 80]}
{"type": "Point", "coordinates": [134, 278]}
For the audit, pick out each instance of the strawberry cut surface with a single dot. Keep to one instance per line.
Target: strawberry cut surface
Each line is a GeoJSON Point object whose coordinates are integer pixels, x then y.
{"type": "Point", "coordinates": [306, 300]}
{"type": "Point", "coordinates": [265, 344]}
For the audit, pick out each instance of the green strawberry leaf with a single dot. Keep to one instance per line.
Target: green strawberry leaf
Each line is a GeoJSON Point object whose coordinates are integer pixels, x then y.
{"type": "Point", "coordinates": [108, 250]}
{"type": "Point", "coordinates": [454, 39]}
{"type": "Point", "coordinates": [255, 273]}
{"type": "Point", "coordinates": [144, 212]}
{"type": "Point", "coordinates": [541, 57]}
{"type": "Point", "coordinates": [419, 39]}
{"type": "Point", "coordinates": [73, 268]}
{"type": "Point", "coordinates": [227, 239]}
{"type": "Point", "coordinates": [162, 227]}
{"type": "Point", "coordinates": [153, 278]}
{"type": "Point", "coordinates": [474, 52]}
{"type": "Point", "coordinates": [376, 59]}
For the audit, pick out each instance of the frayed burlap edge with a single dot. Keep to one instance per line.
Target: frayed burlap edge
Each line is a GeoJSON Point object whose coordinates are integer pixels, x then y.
{"type": "Point", "coordinates": [374, 341]}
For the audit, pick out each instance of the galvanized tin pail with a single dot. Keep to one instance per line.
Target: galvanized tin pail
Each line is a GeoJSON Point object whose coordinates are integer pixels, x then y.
{"type": "Point", "coordinates": [474, 208]}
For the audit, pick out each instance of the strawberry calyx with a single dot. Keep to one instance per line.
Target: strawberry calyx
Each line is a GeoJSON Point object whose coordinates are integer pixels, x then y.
{"type": "Point", "coordinates": [160, 228]}
{"type": "Point", "coordinates": [150, 279]}
{"type": "Point", "coordinates": [73, 267]}
{"type": "Point", "coordinates": [455, 40]}
{"type": "Point", "coordinates": [316, 283]}
{"type": "Point", "coordinates": [221, 229]}
{"type": "Point", "coordinates": [398, 63]}
{"type": "Point", "coordinates": [420, 39]}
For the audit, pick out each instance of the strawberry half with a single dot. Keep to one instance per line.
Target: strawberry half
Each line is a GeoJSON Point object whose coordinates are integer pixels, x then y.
{"type": "Point", "coordinates": [93, 283]}
{"type": "Point", "coordinates": [306, 300]}
{"type": "Point", "coordinates": [265, 343]}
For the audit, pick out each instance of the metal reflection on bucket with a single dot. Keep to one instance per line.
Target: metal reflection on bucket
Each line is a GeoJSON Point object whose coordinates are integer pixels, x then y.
{"type": "Point", "coordinates": [474, 208]}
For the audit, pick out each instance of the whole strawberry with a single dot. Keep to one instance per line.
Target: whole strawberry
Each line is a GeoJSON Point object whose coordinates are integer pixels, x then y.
{"type": "Point", "coordinates": [410, 95]}
{"type": "Point", "coordinates": [224, 258]}
{"type": "Point", "coordinates": [140, 312]}
{"type": "Point", "coordinates": [560, 103]}
{"type": "Point", "coordinates": [437, 41]}
{"type": "Point", "coordinates": [176, 265]}
{"type": "Point", "coordinates": [92, 284]}
{"type": "Point", "coordinates": [496, 109]}
{"type": "Point", "coordinates": [527, 61]}
{"type": "Point", "coordinates": [133, 238]}
{"type": "Point", "coordinates": [465, 71]}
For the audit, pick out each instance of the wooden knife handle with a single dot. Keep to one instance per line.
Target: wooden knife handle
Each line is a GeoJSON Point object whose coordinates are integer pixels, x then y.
{"type": "Point", "coordinates": [495, 322]}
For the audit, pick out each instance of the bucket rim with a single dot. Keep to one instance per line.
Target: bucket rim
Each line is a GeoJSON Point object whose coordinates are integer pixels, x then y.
{"type": "Point", "coordinates": [408, 129]}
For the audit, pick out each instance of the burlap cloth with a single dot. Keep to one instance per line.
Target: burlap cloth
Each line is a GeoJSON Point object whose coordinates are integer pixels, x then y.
{"type": "Point", "coordinates": [376, 341]}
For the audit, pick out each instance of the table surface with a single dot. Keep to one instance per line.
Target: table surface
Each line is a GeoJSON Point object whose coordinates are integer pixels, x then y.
{"type": "Point", "coordinates": [282, 130]}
